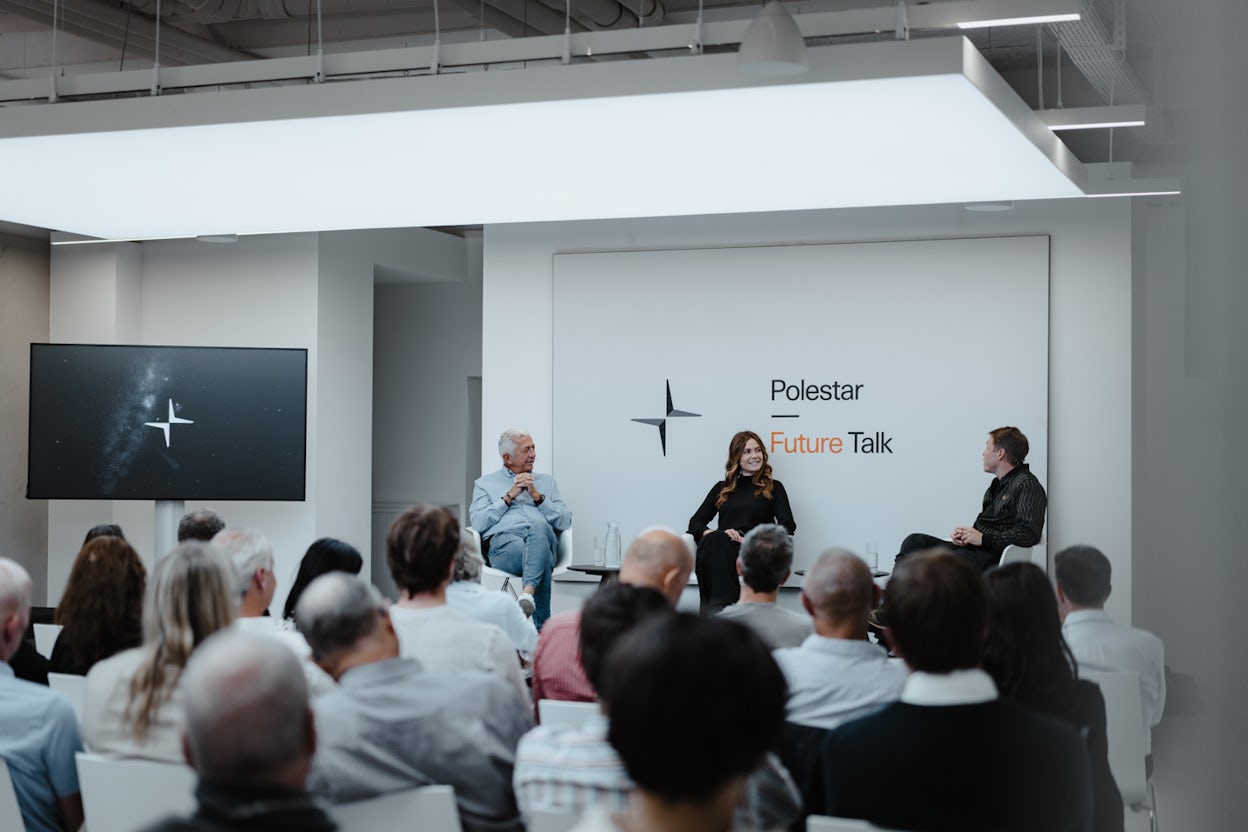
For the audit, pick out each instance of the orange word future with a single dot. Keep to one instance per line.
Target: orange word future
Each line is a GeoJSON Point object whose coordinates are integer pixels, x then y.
{"type": "Point", "coordinates": [862, 443]}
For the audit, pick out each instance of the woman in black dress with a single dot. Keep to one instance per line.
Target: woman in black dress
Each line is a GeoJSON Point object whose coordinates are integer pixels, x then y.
{"type": "Point", "coordinates": [1032, 665]}
{"type": "Point", "coordinates": [746, 497]}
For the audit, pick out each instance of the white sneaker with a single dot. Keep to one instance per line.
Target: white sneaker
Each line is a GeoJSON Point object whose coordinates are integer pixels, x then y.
{"type": "Point", "coordinates": [526, 604]}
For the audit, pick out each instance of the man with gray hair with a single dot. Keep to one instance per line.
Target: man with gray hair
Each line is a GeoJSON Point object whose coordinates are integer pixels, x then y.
{"type": "Point", "coordinates": [518, 514]}
{"type": "Point", "coordinates": [249, 733]}
{"type": "Point", "coordinates": [465, 593]}
{"type": "Point", "coordinates": [40, 734]}
{"type": "Point", "coordinates": [391, 725]}
{"type": "Point", "coordinates": [764, 561]}
{"type": "Point", "coordinates": [252, 555]}
{"type": "Point", "coordinates": [200, 524]}
{"type": "Point", "coordinates": [837, 674]}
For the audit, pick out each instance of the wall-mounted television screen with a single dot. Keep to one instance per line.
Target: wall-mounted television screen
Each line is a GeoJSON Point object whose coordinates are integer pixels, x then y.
{"type": "Point", "coordinates": [111, 422]}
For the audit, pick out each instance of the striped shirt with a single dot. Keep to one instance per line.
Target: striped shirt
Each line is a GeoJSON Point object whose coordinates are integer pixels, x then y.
{"type": "Point", "coordinates": [576, 769]}
{"type": "Point", "coordinates": [1013, 511]}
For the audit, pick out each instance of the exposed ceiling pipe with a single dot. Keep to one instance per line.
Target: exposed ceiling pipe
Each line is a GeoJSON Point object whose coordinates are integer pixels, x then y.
{"type": "Point", "coordinates": [544, 19]}
{"type": "Point", "coordinates": [497, 20]}
{"type": "Point", "coordinates": [1101, 57]}
{"type": "Point", "coordinates": [649, 12]}
{"type": "Point", "coordinates": [121, 29]}
{"type": "Point", "coordinates": [597, 14]}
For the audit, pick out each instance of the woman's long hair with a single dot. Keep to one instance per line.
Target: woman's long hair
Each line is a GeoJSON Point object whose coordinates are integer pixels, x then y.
{"type": "Point", "coordinates": [192, 594]}
{"type": "Point", "coordinates": [762, 479]}
{"type": "Point", "coordinates": [1026, 654]}
{"type": "Point", "coordinates": [325, 555]}
{"type": "Point", "coordinates": [101, 610]}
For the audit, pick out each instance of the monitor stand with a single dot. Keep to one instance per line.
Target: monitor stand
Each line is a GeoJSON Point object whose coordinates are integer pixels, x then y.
{"type": "Point", "coordinates": [168, 513]}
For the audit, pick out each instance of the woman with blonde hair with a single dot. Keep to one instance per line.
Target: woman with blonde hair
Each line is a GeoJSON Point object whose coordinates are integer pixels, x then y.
{"type": "Point", "coordinates": [101, 611]}
{"type": "Point", "coordinates": [747, 496]}
{"type": "Point", "coordinates": [134, 705]}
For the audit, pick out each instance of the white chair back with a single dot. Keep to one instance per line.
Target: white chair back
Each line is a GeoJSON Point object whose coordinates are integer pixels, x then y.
{"type": "Point", "coordinates": [563, 557]}
{"type": "Point", "coordinates": [550, 820]}
{"type": "Point", "coordinates": [74, 688]}
{"type": "Point", "coordinates": [10, 812]}
{"type": "Point", "coordinates": [1126, 741]}
{"type": "Point", "coordinates": [1037, 554]}
{"type": "Point", "coordinates": [557, 713]}
{"type": "Point", "coordinates": [121, 795]}
{"type": "Point", "coordinates": [429, 809]}
{"type": "Point", "coordinates": [45, 638]}
{"type": "Point", "coordinates": [827, 823]}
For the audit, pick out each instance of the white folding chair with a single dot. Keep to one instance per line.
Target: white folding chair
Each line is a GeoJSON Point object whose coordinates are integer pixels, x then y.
{"type": "Point", "coordinates": [1026, 554]}
{"type": "Point", "coordinates": [1121, 690]}
{"type": "Point", "coordinates": [74, 688]}
{"type": "Point", "coordinates": [120, 795]}
{"type": "Point", "coordinates": [563, 557]}
{"type": "Point", "coordinates": [429, 809]}
{"type": "Point", "coordinates": [45, 638]}
{"type": "Point", "coordinates": [550, 820]}
{"type": "Point", "coordinates": [10, 812]}
{"type": "Point", "coordinates": [827, 823]}
{"type": "Point", "coordinates": [560, 714]}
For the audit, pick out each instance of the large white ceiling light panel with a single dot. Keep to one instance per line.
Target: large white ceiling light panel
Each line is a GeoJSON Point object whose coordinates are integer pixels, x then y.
{"type": "Point", "coordinates": [873, 124]}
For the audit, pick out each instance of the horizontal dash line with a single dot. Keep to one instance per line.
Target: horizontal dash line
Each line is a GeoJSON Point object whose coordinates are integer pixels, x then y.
{"type": "Point", "coordinates": [784, 415]}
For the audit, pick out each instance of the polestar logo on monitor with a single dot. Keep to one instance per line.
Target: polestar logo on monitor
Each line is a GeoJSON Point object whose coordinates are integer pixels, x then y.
{"type": "Point", "coordinates": [661, 424]}
{"type": "Point", "coordinates": [173, 420]}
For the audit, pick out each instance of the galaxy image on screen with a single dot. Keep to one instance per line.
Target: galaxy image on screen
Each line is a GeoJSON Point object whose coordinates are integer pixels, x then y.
{"type": "Point", "coordinates": [167, 423]}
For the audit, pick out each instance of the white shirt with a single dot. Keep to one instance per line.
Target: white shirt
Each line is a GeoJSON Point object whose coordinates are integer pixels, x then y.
{"type": "Point", "coordinates": [497, 608]}
{"type": "Point", "coordinates": [1100, 644]}
{"type": "Point", "coordinates": [961, 687]}
{"type": "Point", "coordinates": [834, 680]}
{"type": "Point", "coordinates": [444, 640]}
{"type": "Point", "coordinates": [319, 682]}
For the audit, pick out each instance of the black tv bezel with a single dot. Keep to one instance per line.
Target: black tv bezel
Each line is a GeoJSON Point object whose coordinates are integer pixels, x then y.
{"type": "Point", "coordinates": [303, 491]}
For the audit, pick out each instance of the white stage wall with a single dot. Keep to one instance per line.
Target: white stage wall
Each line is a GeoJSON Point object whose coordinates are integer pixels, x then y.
{"type": "Point", "coordinates": [864, 367]}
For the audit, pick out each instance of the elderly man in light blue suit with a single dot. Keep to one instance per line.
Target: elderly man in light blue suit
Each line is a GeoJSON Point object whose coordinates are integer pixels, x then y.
{"type": "Point", "coordinates": [519, 514]}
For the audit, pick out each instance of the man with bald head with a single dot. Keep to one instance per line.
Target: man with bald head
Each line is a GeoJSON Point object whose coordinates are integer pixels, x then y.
{"type": "Point", "coordinates": [837, 674]}
{"type": "Point", "coordinates": [660, 559]}
{"type": "Point", "coordinates": [40, 734]}
{"type": "Point", "coordinates": [249, 733]}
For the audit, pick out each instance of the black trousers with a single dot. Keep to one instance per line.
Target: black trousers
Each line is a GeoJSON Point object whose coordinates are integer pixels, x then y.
{"type": "Point", "coordinates": [981, 559]}
{"type": "Point", "coordinates": [716, 568]}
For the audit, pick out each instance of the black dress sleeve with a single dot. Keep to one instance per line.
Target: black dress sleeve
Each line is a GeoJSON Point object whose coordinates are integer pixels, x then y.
{"type": "Point", "coordinates": [706, 512]}
{"type": "Point", "coordinates": [780, 503]}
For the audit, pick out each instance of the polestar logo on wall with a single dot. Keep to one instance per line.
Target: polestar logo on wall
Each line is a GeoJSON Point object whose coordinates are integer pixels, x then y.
{"type": "Point", "coordinates": [173, 420]}
{"type": "Point", "coordinates": [661, 424]}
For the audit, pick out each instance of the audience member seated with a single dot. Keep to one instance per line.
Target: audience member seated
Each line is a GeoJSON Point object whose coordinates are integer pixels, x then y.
{"type": "Point", "coordinates": [249, 734]}
{"type": "Point", "coordinates": [200, 524]}
{"type": "Point", "coordinates": [1032, 665]}
{"type": "Point", "coordinates": [659, 559]}
{"type": "Point", "coordinates": [695, 705]}
{"type": "Point", "coordinates": [28, 665]}
{"type": "Point", "coordinates": [420, 549]}
{"type": "Point", "coordinates": [325, 555]}
{"type": "Point", "coordinates": [1083, 586]}
{"type": "Point", "coordinates": [763, 564]}
{"type": "Point", "coordinates": [103, 530]}
{"type": "Point", "coordinates": [252, 556]}
{"type": "Point", "coordinates": [951, 755]}
{"type": "Point", "coordinates": [40, 732]}
{"type": "Point", "coordinates": [837, 674]}
{"type": "Point", "coordinates": [466, 594]}
{"type": "Point", "coordinates": [135, 700]}
{"type": "Point", "coordinates": [573, 769]}
{"type": "Point", "coordinates": [101, 610]}
{"type": "Point", "coordinates": [392, 724]}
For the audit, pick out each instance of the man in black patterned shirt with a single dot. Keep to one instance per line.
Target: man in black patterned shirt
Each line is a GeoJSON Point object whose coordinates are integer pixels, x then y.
{"type": "Point", "coordinates": [1013, 511]}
